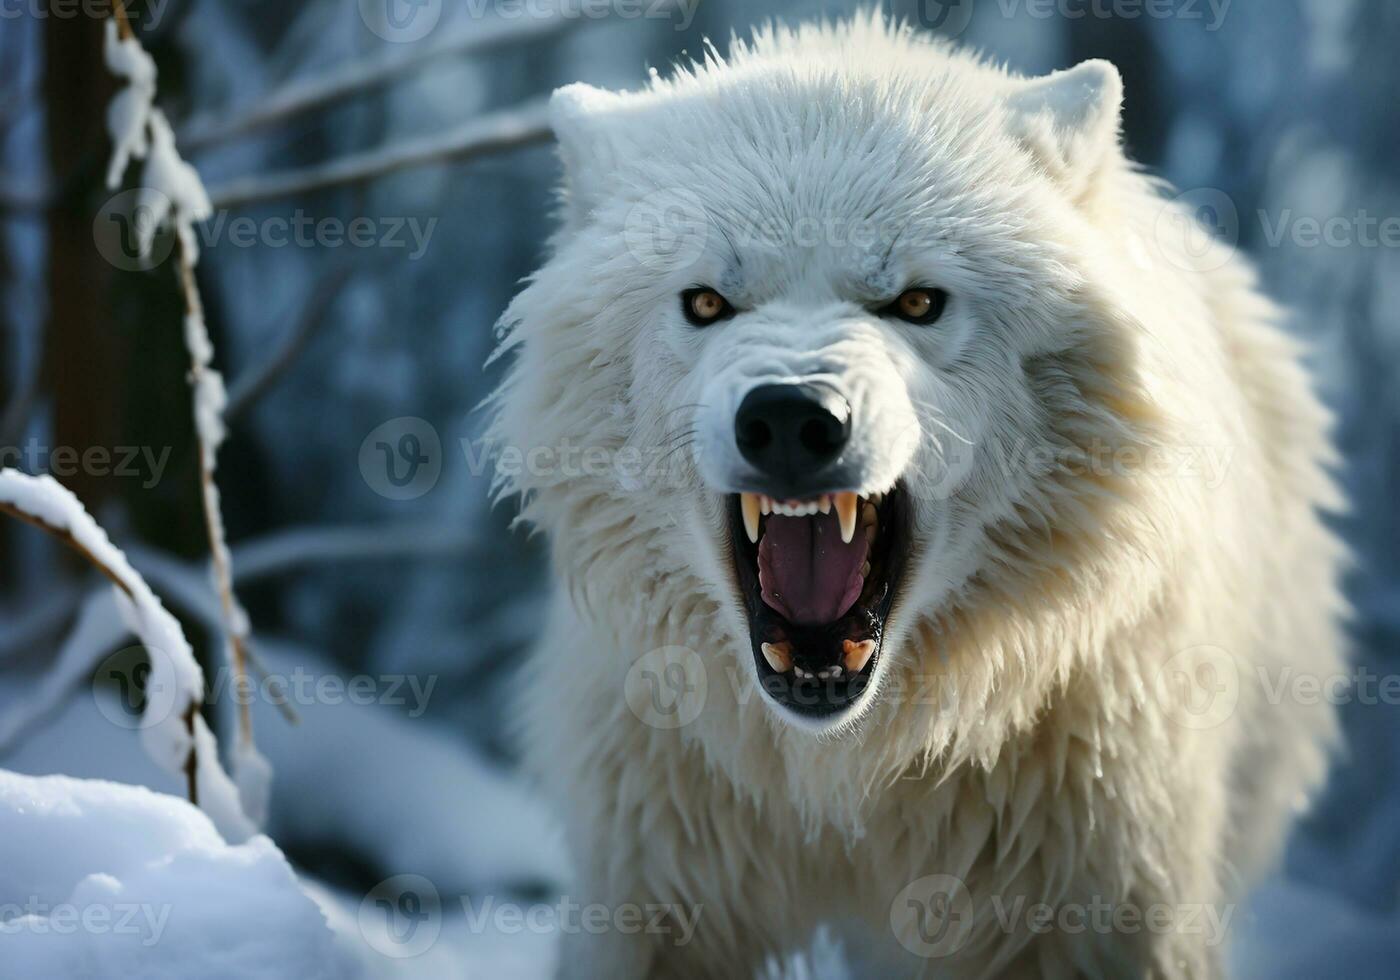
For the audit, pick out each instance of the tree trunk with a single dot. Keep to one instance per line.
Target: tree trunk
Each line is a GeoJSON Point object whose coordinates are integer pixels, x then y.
{"type": "Point", "coordinates": [83, 347]}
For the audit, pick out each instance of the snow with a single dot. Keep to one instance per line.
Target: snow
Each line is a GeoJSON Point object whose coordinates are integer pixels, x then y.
{"type": "Point", "coordinates": [172, 191]}
{"type": "Point", "coordinates": [131, 107]}
{"type": "Point", "coordinates": [175, 687]}
{"type": "Point", "coordinates": [371, 783]}
{"type": "Point", "coordinates": [100, 880]}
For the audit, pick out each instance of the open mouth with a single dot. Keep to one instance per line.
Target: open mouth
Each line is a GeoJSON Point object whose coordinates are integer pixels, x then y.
{"type": "Point", "coordinates": [819, 578]}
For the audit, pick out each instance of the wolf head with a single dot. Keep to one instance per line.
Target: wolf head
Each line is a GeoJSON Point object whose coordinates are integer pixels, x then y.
{"type": "Point", "coordinates": [816, 340]}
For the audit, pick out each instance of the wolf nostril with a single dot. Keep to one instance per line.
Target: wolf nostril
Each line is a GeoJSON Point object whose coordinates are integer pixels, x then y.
{"type": "Point", "coordinates": [824, 435]}
{"type": "Point", "coordinates": [752, 434]}
{"type": "Point", "coordinates": [791, 431]}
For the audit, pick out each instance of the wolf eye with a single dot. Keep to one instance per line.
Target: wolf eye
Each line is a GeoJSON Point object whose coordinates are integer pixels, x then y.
{"type": "Point", "coordinates": [922, 306]}
{"type": "Point", "coordinates": [703, 306]}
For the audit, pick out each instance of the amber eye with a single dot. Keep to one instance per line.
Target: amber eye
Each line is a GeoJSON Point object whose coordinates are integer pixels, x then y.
{"type": "Point", "coordinates": [922, 306]}
{"type": "Point", "coordinates": [703, 306]}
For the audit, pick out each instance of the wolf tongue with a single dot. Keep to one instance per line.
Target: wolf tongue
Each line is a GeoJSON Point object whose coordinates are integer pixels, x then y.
{"type": "Point", "coordinates": [807, 573]}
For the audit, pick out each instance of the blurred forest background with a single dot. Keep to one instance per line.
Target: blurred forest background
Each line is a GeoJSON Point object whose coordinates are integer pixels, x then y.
{"type": "Point", "coordinates": [315, 115]}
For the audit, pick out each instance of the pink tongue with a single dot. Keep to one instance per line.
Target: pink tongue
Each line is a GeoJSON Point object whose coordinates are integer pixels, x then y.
{"type": "Point", "coordinates": [807, 573]}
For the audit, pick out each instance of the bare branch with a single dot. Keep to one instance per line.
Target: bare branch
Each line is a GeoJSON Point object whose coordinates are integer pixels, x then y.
{"type": "Point", "coordinates": [307, 95]}
{"type": "Point", "coordinates": [253, 384]}
{"type": "Point", "coordinates": [123, 25]}
{"type": "Point", "coordinates": [235, 620]}
{"type": "Point", "coordinates": [492, 133]}
{"type": "Point", "coordinates": [286, 551]}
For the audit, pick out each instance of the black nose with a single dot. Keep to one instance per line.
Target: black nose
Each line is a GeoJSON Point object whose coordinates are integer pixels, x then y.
{"type": "Point", "coordinates": [790, 432]}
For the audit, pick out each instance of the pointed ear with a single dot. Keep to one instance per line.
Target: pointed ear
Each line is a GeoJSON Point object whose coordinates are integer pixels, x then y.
{"type": "Point", "coordinates": [1070, 120]}
{"type": "Point", "coordinates": [582, 118]}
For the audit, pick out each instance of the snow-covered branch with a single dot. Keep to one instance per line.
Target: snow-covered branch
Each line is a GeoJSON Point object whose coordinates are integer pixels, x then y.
{"type": "Point", "coordinates": [492, 133]}
{"type": "Point", "coordinates": [174, 733]}
{"type": "Point", "coordinates": [173, 195]}
{"type": "Point", "coordinates": [308, 95]}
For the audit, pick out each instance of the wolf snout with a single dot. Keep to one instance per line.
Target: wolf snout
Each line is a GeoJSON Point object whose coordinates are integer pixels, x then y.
{"type": "Point", "coordinates": [789, 433]}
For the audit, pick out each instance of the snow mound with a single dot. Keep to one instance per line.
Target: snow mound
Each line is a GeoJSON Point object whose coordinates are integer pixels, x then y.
{"type": "Point", "coordinates": [100, 880]}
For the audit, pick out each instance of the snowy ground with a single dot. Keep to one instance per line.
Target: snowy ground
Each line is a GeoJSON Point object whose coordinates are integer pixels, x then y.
{"type": "Point", "coordinates": [462, 896]}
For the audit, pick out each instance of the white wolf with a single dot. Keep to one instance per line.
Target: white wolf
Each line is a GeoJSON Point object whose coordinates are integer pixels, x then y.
{"type": "Point", "coordinates": [934, 512]}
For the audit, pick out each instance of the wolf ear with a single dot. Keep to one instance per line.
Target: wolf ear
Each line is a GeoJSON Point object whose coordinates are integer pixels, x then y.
{"type": "Point", "coordinates": [589, 146]}
{"type": "Point", "coordinates": [1070, 120]}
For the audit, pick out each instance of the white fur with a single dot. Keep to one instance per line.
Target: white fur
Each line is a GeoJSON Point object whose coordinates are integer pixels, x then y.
{"type": "Point", "coordinates": [1049, 610]}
